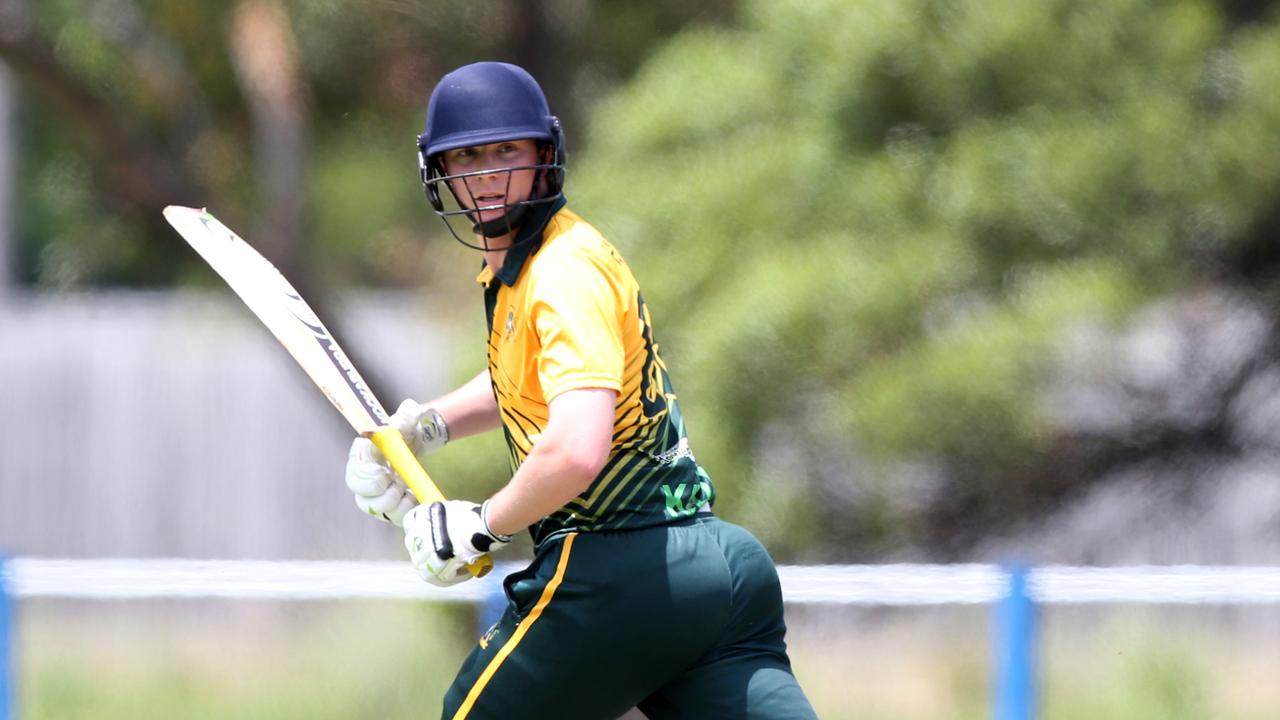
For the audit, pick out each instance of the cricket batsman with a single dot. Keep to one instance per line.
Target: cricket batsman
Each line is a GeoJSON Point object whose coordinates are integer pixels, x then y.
{"type": "Point", "coordinates": [637, 594]}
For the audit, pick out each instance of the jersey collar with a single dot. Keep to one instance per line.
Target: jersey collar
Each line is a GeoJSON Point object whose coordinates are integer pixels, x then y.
{"type": "Point", "coordinates": [528, 240]}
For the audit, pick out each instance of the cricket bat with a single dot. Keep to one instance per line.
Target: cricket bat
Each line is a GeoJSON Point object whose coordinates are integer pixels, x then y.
{"type": "Point", "coordinates": [279, 306]}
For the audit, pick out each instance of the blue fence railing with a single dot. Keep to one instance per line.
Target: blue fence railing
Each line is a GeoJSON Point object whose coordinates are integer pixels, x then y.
{"type": "Point", "coordinates": [1014, 592]}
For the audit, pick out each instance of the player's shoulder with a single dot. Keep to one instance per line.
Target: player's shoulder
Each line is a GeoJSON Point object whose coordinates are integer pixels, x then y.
{"type": "Point", "coordinates": [570, 241]}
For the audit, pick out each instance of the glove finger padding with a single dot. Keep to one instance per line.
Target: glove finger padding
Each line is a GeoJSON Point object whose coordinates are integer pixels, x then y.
{"type": "Point", "coordinates": [422, 538]}
{"type": "Point", "coordinates": [444, 538]}
{"type": "Point", "coordinates": [407, 503]}
{"type": "Point", "coordinates": [379, 492]}
{"type": "Point", "coordinates": [391, 506]}
{"type": "Point", "coordinates": [368, 473]}
{"type": "Point", "coordinates": [451, 573]}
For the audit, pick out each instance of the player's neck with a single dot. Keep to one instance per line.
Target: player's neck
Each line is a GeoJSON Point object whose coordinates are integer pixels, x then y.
{"type": "Point", "coordinates": [494, 259]}
{"type": "Point", "coordinates": [498, 252]}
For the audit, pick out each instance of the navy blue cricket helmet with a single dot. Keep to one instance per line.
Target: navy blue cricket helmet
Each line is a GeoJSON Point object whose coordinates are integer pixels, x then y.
{"type": "Point", "coordinates": [480, 104]}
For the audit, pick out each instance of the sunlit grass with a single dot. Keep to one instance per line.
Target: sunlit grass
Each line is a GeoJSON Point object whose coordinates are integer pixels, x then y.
{"type": "Point", "coordinates": [313, 661]}
{"type": "Point", "coordinates": [394, 659]}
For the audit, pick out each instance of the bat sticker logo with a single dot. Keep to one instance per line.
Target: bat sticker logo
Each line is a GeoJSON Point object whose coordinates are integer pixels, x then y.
{"type": "Point", "coordinates": [305, 315]}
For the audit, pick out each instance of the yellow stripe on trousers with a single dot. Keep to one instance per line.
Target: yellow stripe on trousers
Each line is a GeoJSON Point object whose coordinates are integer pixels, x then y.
{"type": "Point", "coordinates": [521, 629]}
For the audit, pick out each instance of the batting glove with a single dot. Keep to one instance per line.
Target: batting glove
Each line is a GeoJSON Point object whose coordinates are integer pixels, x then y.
{"type": "Point", "coordinates": [378, 490]}
{"type": "Point", "coordinates": [423, 428]}
{"type": "Point", "coordinates": [443, 538]}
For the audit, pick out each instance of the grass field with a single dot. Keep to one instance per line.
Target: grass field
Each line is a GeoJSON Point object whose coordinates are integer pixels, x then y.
{"type": "Point", "coordinates": [319, 660]}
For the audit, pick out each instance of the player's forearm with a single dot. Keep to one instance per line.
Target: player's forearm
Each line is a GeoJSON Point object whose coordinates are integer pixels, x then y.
{"type": "Point", "coordinates": [469, 410]}
{"type": "Point", "coordinates": [572, 450]}
{"type": "Point", "coordinates": [550, 477]}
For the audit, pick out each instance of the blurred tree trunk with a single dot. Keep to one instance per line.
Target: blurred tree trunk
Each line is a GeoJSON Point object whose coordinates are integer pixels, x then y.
{"type": "Point", "coordinates": [267, 63]}
{"type": "Point", "coordinates": [266, 60]}
{"type": "Point", "coordinates": [8, 161]}
{"type": "Point", "coordinates": [530, 39]}
{"type": "Point", "coordinates": [540, 42]}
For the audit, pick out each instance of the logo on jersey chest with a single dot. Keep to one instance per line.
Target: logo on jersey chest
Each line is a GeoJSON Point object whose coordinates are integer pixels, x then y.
{"type": "Point", "coordinates": [510, 325]}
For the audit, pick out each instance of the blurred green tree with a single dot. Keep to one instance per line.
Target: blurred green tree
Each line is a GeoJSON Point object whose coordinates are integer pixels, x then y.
{"type": "Point", "coordinates": [294, 120]}
{"type": "Point", "coordinates": [863, 226]}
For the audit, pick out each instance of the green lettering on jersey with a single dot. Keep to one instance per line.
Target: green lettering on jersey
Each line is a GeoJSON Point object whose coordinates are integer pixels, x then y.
{"type": "Point", "coordinates": [678, 506]}
{"type": "Point", "coordinates": [675, 500]}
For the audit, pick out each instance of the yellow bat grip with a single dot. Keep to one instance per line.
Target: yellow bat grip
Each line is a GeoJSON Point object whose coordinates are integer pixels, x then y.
{"type": "Point", "coordinates": [391, 443]}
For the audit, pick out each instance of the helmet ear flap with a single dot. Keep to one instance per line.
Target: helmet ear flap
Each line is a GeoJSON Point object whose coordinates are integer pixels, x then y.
{"type": "Point", "coordinates": [556, 176]}
{"type": "Point", "coordinates": [428, 171]}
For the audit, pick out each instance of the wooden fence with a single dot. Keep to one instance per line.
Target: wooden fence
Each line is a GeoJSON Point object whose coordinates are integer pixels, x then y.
{"type": "Point", "coordinates": [146, 423]}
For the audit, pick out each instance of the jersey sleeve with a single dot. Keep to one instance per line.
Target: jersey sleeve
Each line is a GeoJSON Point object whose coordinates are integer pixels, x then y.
{"type": "Point", "coordinates": [577, 314]}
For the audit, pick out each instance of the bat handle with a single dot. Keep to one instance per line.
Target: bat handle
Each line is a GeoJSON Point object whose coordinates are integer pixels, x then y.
{"type": "Point", "coordinates": [391, 443]}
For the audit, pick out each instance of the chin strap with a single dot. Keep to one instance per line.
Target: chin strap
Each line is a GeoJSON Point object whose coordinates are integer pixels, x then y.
{"type": "Point", "coordinates": [498, 227]}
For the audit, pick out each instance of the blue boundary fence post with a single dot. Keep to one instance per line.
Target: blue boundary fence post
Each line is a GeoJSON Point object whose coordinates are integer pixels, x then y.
{"type": "Point", "coordinates": [6, 652]}
{"type": "Point", "coordinates": [491, 607]}
{"type": "Point", "coordinates": [1015, 649]}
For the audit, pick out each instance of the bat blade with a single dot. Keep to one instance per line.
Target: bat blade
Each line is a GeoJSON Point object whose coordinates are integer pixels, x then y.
{"type": "Point", "coordinates": [281, 308]}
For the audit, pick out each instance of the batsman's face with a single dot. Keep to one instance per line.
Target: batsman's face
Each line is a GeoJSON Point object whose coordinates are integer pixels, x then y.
{"type": "Point", "coordinates": [492, 183]}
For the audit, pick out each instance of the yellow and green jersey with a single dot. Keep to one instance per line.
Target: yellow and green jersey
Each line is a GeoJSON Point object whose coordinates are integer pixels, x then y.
{"type": "Point", "coordinates": [565, 313]}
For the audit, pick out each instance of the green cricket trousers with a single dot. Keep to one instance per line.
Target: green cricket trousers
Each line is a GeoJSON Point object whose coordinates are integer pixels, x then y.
{"type": "Point", "coordinates": [681, 620]}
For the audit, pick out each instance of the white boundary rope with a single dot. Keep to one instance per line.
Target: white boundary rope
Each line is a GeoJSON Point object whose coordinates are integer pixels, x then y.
{"type": "Point", "coordinates": [868, 585]}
